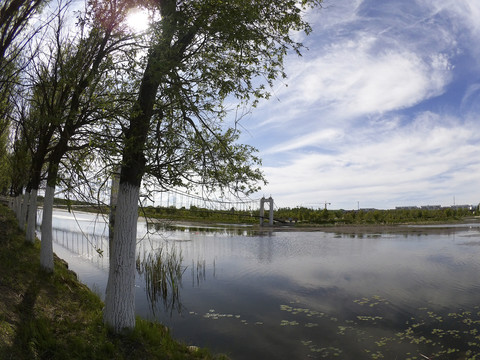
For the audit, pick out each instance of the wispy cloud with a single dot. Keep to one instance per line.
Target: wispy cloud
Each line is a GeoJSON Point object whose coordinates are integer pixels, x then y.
{"type": "Point", "coordinates": [463, 14]}
{"type": "Point", "coordinates": [401, 165]}
{"type": "Point", "coordinates": [382, 109]}
{"type": "Point", "coordinates": [320, 138]}
{"type": "Point", "coordinates": [351, 80]}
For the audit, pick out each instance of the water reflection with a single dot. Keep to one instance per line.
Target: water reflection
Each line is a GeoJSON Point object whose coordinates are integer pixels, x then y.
{"type": "Point", "coordinates": [162, 270]}
{"type": "Point", "coordinates": [159, 265]}
{"type": "Point", "coordinates": [317, 295]}
{"type": "Point", "coordinates": [226, 229]}
{"type": "Point", "coordinates": [89, 245]}
{"type": "Point", "coordinates": [199, 272]}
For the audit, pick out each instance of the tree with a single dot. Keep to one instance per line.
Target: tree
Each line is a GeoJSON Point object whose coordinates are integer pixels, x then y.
{"type": "Point", "coordinates": [197, 58]}
{"type": "Point", "coordinates": [38, 130]}
{"type": "Point", "coordinates": [81, 68]}
{"type": "Point", "coordinates": [14, 16]}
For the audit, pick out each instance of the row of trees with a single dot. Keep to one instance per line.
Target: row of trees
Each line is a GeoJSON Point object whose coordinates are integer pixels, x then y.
{"type": "Point", "coordinates": [80, 101]}
{"type": "Point", "coordinates": [397, 216]}
{"type": "Point", "coordinates": [303, 215]}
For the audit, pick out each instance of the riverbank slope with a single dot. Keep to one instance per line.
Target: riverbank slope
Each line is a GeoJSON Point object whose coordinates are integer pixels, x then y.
{"type": "Point", "coordinates": [54, 316]}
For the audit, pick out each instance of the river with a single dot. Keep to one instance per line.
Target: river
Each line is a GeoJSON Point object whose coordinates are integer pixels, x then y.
{"type": "Point", "coordinates": [302, 295]}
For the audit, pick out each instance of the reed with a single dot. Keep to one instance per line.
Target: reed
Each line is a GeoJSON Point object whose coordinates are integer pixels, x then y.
{"type": "Point", "coordinates": [162, 271]}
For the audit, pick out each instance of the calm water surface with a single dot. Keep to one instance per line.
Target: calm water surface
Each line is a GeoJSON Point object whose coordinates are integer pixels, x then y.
{"type": "Point", "coordinates": [305, 295]}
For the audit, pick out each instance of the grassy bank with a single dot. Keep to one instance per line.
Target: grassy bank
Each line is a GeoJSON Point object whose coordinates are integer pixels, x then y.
{"type": "Point", "coordinates": [54, 316]}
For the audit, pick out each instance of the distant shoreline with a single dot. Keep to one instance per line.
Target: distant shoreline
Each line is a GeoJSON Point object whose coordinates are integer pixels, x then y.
{"type": "Point", "coordinates": [437, 227]}
{"type": "Point", "coordinates": [413, 228]}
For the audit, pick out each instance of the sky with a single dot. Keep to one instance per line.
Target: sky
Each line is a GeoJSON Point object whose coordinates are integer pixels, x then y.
{"type": "Point", "coordinates": [383, 110]}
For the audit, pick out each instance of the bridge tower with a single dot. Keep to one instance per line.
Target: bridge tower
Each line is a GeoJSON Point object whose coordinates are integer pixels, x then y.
{"type": "Point", "coordinates": [262, 210]}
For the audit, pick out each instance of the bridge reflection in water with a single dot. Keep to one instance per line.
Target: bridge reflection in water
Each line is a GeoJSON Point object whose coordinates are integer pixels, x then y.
{"type": "Point", "coordinates": [159, 266]}
{"type": "Point", "coordinates": [91, 247]}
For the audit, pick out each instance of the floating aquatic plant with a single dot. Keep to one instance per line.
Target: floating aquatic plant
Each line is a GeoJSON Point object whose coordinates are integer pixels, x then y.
{"type": "Point", "coordinates": [426, 334]}
{"type": "Point", "coordinates": [289, 323]}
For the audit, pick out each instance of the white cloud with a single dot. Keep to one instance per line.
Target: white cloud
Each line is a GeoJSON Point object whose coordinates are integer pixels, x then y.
{"type": "Point", "coordinates": [352, 77]}
{"type": "Point", "coordinates": [421, 161]}
{"type": "Point", "coordinates": [319, 138]}
{"type": "Point", "coordinates": [382, 110]}
{"type": "Point", "coordinates": [465, 12]}
{"type": "Point", "coordinates": [471, 99]}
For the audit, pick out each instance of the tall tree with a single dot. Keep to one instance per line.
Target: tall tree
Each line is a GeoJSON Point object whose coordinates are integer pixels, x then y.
{"type": "Point", "coordinates": [200, 53]}
{"type": "Point", "coordinates": [19, 160]}
{"type": "Point", "coordinates": [14, 16]}
{"type": "Point", "coordinates": [82, 66]}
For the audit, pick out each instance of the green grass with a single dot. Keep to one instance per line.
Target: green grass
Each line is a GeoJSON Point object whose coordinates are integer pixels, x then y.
{"type": "Point", "coordinates": [54, 316]}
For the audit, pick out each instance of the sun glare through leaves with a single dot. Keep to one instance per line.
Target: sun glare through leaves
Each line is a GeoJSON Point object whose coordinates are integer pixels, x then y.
{"type": "Point", "coordinates": [138, 20]}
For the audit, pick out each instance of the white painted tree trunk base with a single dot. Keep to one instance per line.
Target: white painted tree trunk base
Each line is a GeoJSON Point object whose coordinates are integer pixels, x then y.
{"type": "Point", "coordinates": [32, 216]}
{"type": "Point", "coordinates": [119, 311]}
{"type": "Point", "coordinates": [46, 245]}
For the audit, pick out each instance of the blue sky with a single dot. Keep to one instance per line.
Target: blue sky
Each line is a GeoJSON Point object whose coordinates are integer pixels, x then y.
{"type": "Point", "coordinates": [383, 110]}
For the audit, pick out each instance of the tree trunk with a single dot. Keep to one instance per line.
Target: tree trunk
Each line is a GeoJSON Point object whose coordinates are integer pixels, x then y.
{"type": "Point", "coordinates": [18, 207]}
{"type": "Point", "coordinates": [113, 208]}
{"type": "Point", "coordinates": [46, 247]}
{"type": "Point", "coordinates": [119, 311]}
{"type": "Point", "coordinates": [32, 216]}
{"type": "Point", "coordinates": [23, 214]}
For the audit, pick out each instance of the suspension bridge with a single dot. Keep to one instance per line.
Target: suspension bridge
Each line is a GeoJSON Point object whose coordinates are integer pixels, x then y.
{"type": "Point", "coordinates": [178, 199]}
{"type": "Point", "coordinates": [174, 198]}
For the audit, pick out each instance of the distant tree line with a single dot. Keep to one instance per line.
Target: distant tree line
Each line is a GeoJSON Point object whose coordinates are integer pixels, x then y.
{"type": "Point", "coordinates": [385, 217]}
{"type": "Point", "coordinates": [304, 216]}
{"type": "Point", "coordinates": [199, 214]}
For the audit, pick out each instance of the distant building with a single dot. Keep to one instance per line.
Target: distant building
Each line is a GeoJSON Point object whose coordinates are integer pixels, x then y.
{"type": "Point", "coordinates": [461, 207]}
{"type": "Point", "coordinates": [431, 207]}
{"type": "Point", "coordinates": [436, 207]}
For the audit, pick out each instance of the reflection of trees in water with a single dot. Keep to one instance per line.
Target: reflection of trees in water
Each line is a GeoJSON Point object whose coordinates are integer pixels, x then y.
{"type": "Point", "coordinates": [199, 272]}
{"type": "Point", "coordinates": [156, 226]}
{"type": "Point", "coordinates": [162, 271]}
